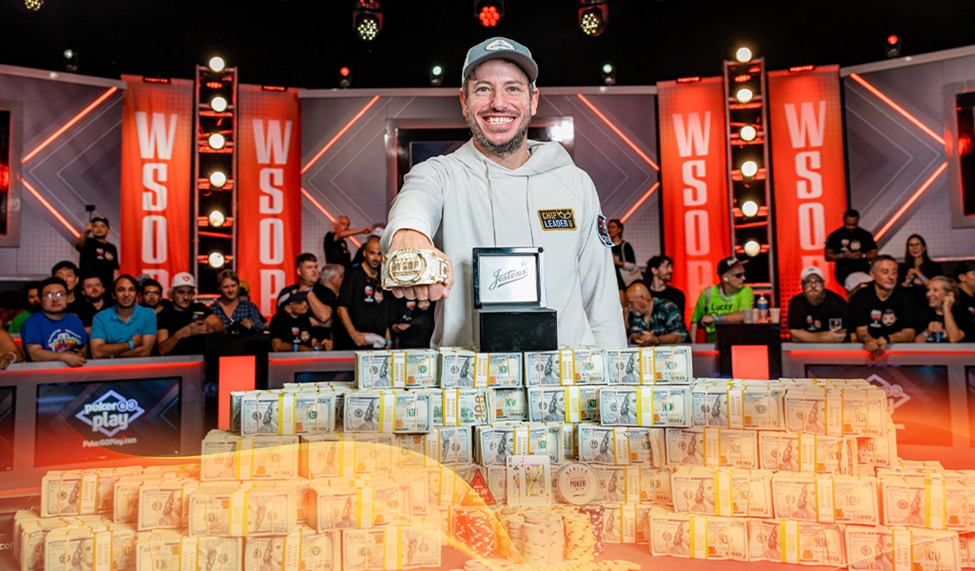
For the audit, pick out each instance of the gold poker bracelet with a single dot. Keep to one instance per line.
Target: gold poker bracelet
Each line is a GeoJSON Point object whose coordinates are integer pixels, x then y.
{"type": "Point", "coordinates": [413, 267]}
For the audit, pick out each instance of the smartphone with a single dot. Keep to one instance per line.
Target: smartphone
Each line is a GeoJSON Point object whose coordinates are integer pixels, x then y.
{"type": "Point", "coordinates": [198, 316]}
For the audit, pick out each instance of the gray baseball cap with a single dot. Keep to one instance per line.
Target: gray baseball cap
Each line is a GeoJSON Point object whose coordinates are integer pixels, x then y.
{"type": "Point", "coordinates": [500, 48]}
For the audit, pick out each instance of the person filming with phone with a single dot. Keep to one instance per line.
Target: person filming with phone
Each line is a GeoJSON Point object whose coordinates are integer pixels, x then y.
{"type": "Point", "coordinates": [183, 325]}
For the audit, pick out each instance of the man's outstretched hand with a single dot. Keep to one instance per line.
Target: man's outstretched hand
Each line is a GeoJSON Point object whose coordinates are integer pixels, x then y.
{"type": "Point", "coordinates": [411, 239]}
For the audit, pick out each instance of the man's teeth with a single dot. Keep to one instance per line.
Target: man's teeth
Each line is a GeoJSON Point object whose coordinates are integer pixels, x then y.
{"type": "Point", "coordinates": [499, 120]}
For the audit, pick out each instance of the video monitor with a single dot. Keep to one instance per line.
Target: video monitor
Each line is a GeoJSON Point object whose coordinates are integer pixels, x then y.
{"type": "Point", "coordinates": [325, 377]}
{"type": "Point", "coordinates": [8, 401]}
{"type": "Point", "coordinates": [85, 422]}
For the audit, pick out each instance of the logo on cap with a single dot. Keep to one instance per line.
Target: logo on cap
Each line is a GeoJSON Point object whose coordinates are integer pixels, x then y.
{"type": "Point", "coordinates": [498, 45]}
{"type": "Point", "coordinates": [186, 278]}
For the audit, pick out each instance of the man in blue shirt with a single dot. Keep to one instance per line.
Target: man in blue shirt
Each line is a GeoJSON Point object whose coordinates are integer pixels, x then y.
{"type": "Point", "coordinates": [652, 321]}
{"type": "Point", "coordinates": [126, 330]}
{"type": "Point", "coordinates": [52, 334]}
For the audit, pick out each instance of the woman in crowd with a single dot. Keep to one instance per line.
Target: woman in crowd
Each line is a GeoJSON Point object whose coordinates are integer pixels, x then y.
{"type": "Point", "coordinates": [942, 320]}
{"type": "Point", "coordinates": [231, 308]}
{"type": "Point", "coordinates": [918, 268]}
{"type": "Point", "coordinates": [624, 259]}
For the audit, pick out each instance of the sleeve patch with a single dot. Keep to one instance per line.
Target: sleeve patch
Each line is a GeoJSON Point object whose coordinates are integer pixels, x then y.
{"type": "Point", "coordinates": [602, 228]}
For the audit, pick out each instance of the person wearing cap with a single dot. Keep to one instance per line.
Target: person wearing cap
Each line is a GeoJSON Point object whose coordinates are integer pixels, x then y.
{"type": "Point", "coordinates": [292, 327]}
{"type": "Point", "coordinates": [98, 257]}
{"type": "Point", "coordinates": [965, 276]}
{"type": "Point", "coordinates": [884, 311]}
{"type": "Point", "coordinates": [335, 246]}
{"type": "Point", "coordinates": [818, 315]}
{"type": "Point", "coordinates": [183, 324]}
{"type": "Point", "coordinates": [851, 247]}
{"type": "Point", "coordinates": [855, 282]}
{"type": "Point", "coordinates": [725, 302]}
{"type": "Point", "coordinates": [502, 190]}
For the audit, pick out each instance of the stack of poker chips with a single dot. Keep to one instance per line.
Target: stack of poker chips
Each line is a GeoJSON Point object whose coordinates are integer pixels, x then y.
{"type": "Point", "coordinates": [475, 529]}
{"type": "Point", "coordinates": [595, 513]}
{"type": "Point", "coordinates": [544, 539]}
{"type": "Point", "coordinates": [580, 542]}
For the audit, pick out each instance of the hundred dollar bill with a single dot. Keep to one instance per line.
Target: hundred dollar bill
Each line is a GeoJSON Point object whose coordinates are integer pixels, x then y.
{"type": "Point", "coordinates": [881, 548]}
{"type": "Point", "coordinates": [415, 546]}
{"type": "Point", "coordinates": [572, 365]}
{"type": "Point", "coordinates": [836, 411]}
{"type": "Point", "coordinates": [302, 549]}
{"type": "Point", "coordinates": [805, 543]}
{"type": "Point", "coordinates": [464, 407]}
{"type": "Point", "coordinates": [227, 510]}
{"type": "Point", "coordinates": [621, 446]}
{"type": "Point", "coordinates": [619, 484]}
{"type": "Point", "coordinates": [713, 447]}
{"type": "Point", "coordinates": [393, 503]}
{"type": "Point", "coordinates": [340, 507]}
{"type": "Point", "coordinates": [808, 453]}
{"type": "Point", "coordinates": [507, 404]}
{"type": "Point", "coordinates": [451, 446]}
{"type": "Point", "coordinates": [87, 548]}
{"type": "Point", "coordinates": [496, 443]}
{"type": "Point", "coordinates": [629, 366]}
{"type": "Point", "coordinates": [656, 486]}
{"type": "Point", "coordinates": [826, 498]}
{"type": "Point", "coordinates": [878, 451]}
{"type": "Point", "coordinates": [919, 501]}
{"type": "Point", "coordinates": [380, 370]}
{"type": "Point", "coordinates": [457, 368]}
{"type": "Point", "coordinates": [167, 550]}
{"type": "Point", "coordinates": [161, 504]}
{"type": "Point", "coordinates": [364, 550]}
{"type": "Point", "coordinates": [645, 406]}
{"type": "Point", "coordinates": [554, 404]}
{"type": "Point", "coordinates": [722, 491]}
{"type": "Point", "coordinates": [697, 536]}
{"type": "Point", "coordinates": [757, 407]}
{"type": "Point", "coordinates": [563, 434]}
{"type": "Point", "coordinates": [672, 365]}
{"type": "Point", "coordinates": [226, 456]}
{"type": "Point", "coordinates": [422, 368]}
{"type": "Point", "coordinates": [467, 369]}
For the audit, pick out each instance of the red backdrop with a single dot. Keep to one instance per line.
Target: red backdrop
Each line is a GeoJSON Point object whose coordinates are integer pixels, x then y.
{"type": "Point", "coordinates": [157, 146]}
{"type": "Point", "coordinates": [268, 192]}
{"type": "Point", "coordinates": [694, 182]}
{"type": "Point", "coordinates": [809, 178]}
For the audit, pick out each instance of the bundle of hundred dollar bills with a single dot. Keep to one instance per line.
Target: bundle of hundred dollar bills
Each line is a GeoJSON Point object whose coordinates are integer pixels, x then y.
{"type": "Point", "coordinates": [664, 365]}
{"type": "Point", "coordinates": [283, 412]}
{"type": "Point", "coordinates": [409, 369]}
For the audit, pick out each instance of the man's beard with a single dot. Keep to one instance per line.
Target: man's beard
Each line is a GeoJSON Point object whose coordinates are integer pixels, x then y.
{"type": "Point", "coordinates": [816, 298]}
{"type": "Point", "coordinates": [501, 149]}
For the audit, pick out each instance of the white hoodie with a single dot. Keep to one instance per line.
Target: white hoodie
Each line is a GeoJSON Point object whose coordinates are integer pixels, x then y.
{"type": "Point", "coordinates": [464, 200]}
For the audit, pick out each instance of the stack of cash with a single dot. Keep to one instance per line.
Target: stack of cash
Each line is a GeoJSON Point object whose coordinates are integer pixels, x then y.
{"type": "Point", "coordinates": [622, 484]}
{"type": "Point", "coordinates": [283, 412]}
{"type": "Point", "coordinates": [495, 443]}
{"type": "Point", "coordinates": [241, 509]}
{"type": "Point", "coordinates": [380, 503]}
{"type": "Point", "coordinates": [562, 404]}
{"type": "Point", "coordinates": [507, 404]}
{"type": "Point", "coordinates": [621, 446]}
{"type": "Point", "coordinates": [30, 532]}
{"type": "Point", "coordinates": [933, 501]}
{"type": "Point", "coordinates": [713, 447]}
{"type": "Point", "coordinates": [101, 547]}
{"type": "Point", "coordinates": [698, 536]}
{"type": "Point", "coordinates": [302, 549]}
{"type": "Point", "coordinates": [836, 411]}
{"type": "Point", "coordinates": [797, 542]}
{"type": "Point", "coordinates": [788, 452]}
{"type": "Point", "coordinates": [578, 365]}
{"type": "Point", "coordinates": [170, 551]}
{"type": "Point", "coordinates": [460, 407]}
{"type": "Point", "coordinates": [163, 503]}
{"type": "Point", "coordinates": [825, 498]}
{"type": "Point", "coordinates": [465, 369]}
{"type": "Point", "coordinates": [666, 365]}
{"type": "Point", "coordinates": [723, 491]}
{"type": "Point", "coordinates": [451, 445]}
{"type": "Point", "coordinates": [415, 546]}
{"type": "Point", "coordinates": [626, 523]}
{"type": "Point", "coordinates": [345, 455]}
{"type": "Point", "coordinates": [388, 411]}
{"type": "Point", "coordinates": [411, 369]}
{"type": "Point", "coordinates": [880, 547]}
{"type": "Point", "coordinates": [878, 451]}
{"type": "Point", "coordinates": [725, 404]}
{"type": "Point", "coordinates": [657, 406]}
{"type": "Point", "coordinates": [81, 492]}
{"type": "Point", "coordinates": [226, 456]}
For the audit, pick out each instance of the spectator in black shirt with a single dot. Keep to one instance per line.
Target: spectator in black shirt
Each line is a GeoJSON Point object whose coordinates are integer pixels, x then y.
{"type": "Point", "coordinates": [292, 327]}
{"type": "Point", "coordinates": [98, 257]}
{"type": "Point", "coordinates": [364, 307]}
{"type": "Point", "coordinates": [965, 274]}
{"type": "Point", "coordinates": [332, 277]}
{"type": "Point", "coordinates": [851, 247]}
{"type": "Point", "coordinates": [93, 290]}
{"type": "Point", "coordinates": [884, 312]}
{"type": "Point", "coordinates": [818, 315]}
{"type": "Point", "coordinates": [77, 304]}
{"type": "Point", "coordinates": [336, 248]}
{"type": "Point", "coordinates": [918, 269]}
{"type": "Point", "coordinates": [152, 295]}
{"type": "Point", "coordinates": [183, 325]}
{"type": "Point", "coordinates": [306, 267]}
{"type": "Point", "coordinates": [660, 270]}
{"type": "Point", "coordinates": [624, 259]}
{"type": "Point", "coordinates": [414, 323]}
{"type": "Point", "coordinates": [942, 319]}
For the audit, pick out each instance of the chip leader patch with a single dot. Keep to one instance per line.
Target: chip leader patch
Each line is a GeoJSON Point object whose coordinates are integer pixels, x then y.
{"type": "Point", "coordinates": [557, 219]}
{"type": "Point", "coordinates": [603, 230]}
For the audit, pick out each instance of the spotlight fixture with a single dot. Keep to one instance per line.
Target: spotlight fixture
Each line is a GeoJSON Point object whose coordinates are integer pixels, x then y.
{"type": "Point", "coordinates": [749, 168]}
{"type": "Point", "coordinates": [345, 77]}
{"type": "Point", "coordinates": [436, 76]}
{"type": "Point", "coordinates": [218, 179]}
{"type": "Point", "coordinates": [70, 58]}
{"type": "Point", "coordinates": [216, 141]}
{"type": "Point", "coordinates": [609, 74]}
{"type": "Point", "coordinates": [893, 46]}
{"type": "Point", "coordinates": [749, 208]}
{"type": "Point", "coordinates": [489, 12]}
{"type": "Point", "coordinates": [216, 260]}
{"type": "Point", "coordinates": [743, 55]}
{"type": "Point", "coordinates": [33, 5]}
{"type": "Point", "coordinates": [218, 104]}
{"type": "Point", "coordinates": [367, 19]}
{"type": "Point", "coordinates": [217, 64]}
{"type": "Point", "coordinates": [752, 248]}
{"type": "Point", "coordinates": [747, 133]}
{"type": "Point", "coordinates": [593, 16]}
{"type": "Point", "coordinates": [744, 95]}
{"type": "Point", "coordinates": [217, 219]}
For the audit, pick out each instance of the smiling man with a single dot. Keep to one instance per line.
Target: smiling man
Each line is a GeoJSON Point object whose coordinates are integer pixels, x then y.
{"type": "Point", "coordinates": [502, 190]}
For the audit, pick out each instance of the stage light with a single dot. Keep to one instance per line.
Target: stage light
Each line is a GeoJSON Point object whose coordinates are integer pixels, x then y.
{"type": "Point", "coordinates": [749, 208]}
{"type": "Point", "coordinates": [216, 260]}
{"type": "Point", "coordinates": [218, 104]}
{"type": "Point", "coordinates": [749, 168]}
{"type": "Point", "coordinates": [367, 27]}
{"type": "Point", "coordinates": [748, 133]}
{"type": "Point", "coordinates": [218, 179]}
{"type": "Point", "coordinates": [345, 77]}
{"type": "Point", "coordinates": [367, 19]}
{"type": "Point", "coordinates": [609, 74]}
{"type": "Point", "coordinates": [33, 5]}
{"type": "Point", "coordinates": [489, 12]}
{"type": "Point", "coordinates": [744, 95]}
{"type": "Point", "coordinates": [217, 219]}
{"type": "Point", "coordinates": [893, 46]}
{"type": "Point", "coordinates": [752, 248]}
{"type": "Point", "coordinates": [216, 141]}
{"type": "Point", "coordinates": [436, 76]}
{"type": "Point", "coordinates": [743, 55]}
{"type": "Point", "coordinates": [217, 64]}
{"type": "Point", "coordinates": [593, 16]}
{"type": "Point", "coordinates": [70, 59]}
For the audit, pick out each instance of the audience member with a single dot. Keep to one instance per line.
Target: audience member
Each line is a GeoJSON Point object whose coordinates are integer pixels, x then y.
{"type": "Point", "coordinates": [9, 352]}
{"type": "Point", "coordinates": [306, 266]}
{"type": "Point", "coordinates": [53, 334]}
{"type": "Point", "coordinates": [884, 312]}
{"type": "Point", "coordinates": [184, 324]}
{"type": "Point", "coordinates": [77, 304]}
{"type": "Point", "coordinates": [414, 322]}
{"type": "Point", "coordinates": [127, 329]}
{"type": "Point", "coordinates": [653, 321]}
{"type": "Point", "coordinates": [818, 315]}
{"type": "Point", "coordinates": [624, 259]}
{"type": "Point", "coordinates": [13, 304]}
{"type": "Point", "coordinates": [33, 306]}
{"type": "Point", "coordinates": [94, 291]}
{"type": "Point", "coordinates": [918, 269]}
{"type": "Point", "coordinates": [152, 295]}
{"type": "Point", "coordinates": [376, 231]}
{"type": "Point", "coordinates": [332, 277]}
{"type": "Point", "coordinates": [725, 302]}
{"type": "Point", "coordinates": [241, 312]}
{"type": "Point", "coordinates": [98, 257]}
{"type": "Point", "coordinates": [336, 248]}
{"type": "Point", "coordinates": [855, 282]}
{"type": "Point", "coordinates": [943, 320]}
{"type": "Point", "coordinates": [363, 306]}
{"type": "Point", "coordinates": [292, 327]}
{"type": "Point", "coordinates": [965, 274]}
{"type": "Point", "coordinates": [660, 270]}
{"type": "Point", "coordinates": [851, 247]}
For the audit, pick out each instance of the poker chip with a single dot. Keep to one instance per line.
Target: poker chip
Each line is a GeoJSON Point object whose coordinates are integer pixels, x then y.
{"type": "Point", "coordinates": [475, 529]}
{"type": "Point", "coordinates": [596, 515]}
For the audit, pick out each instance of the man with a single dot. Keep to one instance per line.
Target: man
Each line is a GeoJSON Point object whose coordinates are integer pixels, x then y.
{"type": "Point", "coordinates": [32, 292]}
{"type": "Point", "coordinates": [336, 248]}
{"type": "Point", "coordinates": [851, 247]}
{"type": "Point", "coordinates": [98, 257]}
{"type": "Point", "coordinates": [652, 322]}
{"type": "Point", "coordinates": [500, 189]}
{"type": "Point", "coordinates": [183, 325]}
{"type": "Point", "coordinates": [363, 308]}
{"type": "Point", "coordinates": [660, 270]}
{"type": "Point", "coordinates": [53, 334]}
{"type": "Point", "coordinates": [883, 312]}
{"type": "Point", "coordinates": [126, 330]}
{"type": "Point", "coordinates": [965, 274]}
{"type": "Point", "coordinates": [414, 323]}
{"type": "Point", "coordinates": [152, 296]}
{"type": "Point", "coordinates": [332, 277]}
{"type": "Point", "coordinates": [723, 303]}
{"type": "Point", "coordinates": [943, 320]}
{"type": "Point", "coordinates": [292, 328]}
{"type": "Point", "coordinates": [68, 272]}
{"type": "Point", "coordinates": [94, 291]}
{"type": "Point", "coordinates": [818, 315]}
{"type": "Point", "coordinates": [306, 267]}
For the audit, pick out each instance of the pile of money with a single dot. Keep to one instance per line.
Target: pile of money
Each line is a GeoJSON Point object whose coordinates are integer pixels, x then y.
{"type": "Point", "coordinates": [388, 411]}
{"type": "Point", "coordinates": [880, 547]}
{"type": "Point", "coordinates": [722, 491]}
{"type": "Point", "coordinates": [878, 451]}
{"type": "Point", "coordinates": [626, 523]}
{"type": "Point", "coordinates": [90, 547]}
{"type": "Point", "coordinates": [713, 447]}
{"type": "Point", "coordinates": [410, 369]}
{"type": "Point", "coordinates": [657, 406]}
{"type": "Point", "coordinates": [788, 452]}
{"type": "Point", "coordinates": [302, 549]}
{"type": "Point", "coordinates": [729, 404]}
{"type": "Point", "coordinates": [666, 365]}
{"type": "Point", "coordinates": [698, 536]}
{"type": "Point", "coordinates": [163, 503]}
{"type": "Point", "coordinates": [169, 550]}
{"type": "Point", "coordinates": [226, 456]}
{"type": "Point", "coordinates": [825, 498]}
{"type": "Point", "coordinates": [241, 509]}
{"type": "Point", "coordinates": [581, 365]}
{"type": "Point", "coordinates": [797, 542]}
{"type": "Point", "coordinates": [346, 455]}
{"type": "Point", "coordinates": [836, 411]}
{"type": "Point", "coordinates": [377, 504]}
{"type": "Point", "coordinates": [465, 369]}
{"type": "Point", "coordinates": [932, 501]}
{"type": "Point", "coordinates": [621, 446]}
{"type": "Point", "coordinates": [401, 547]}
{"type": "Point", "coordinates": [81, 492]}
{"type": "Point", "coordinates": [283, 412]}
{"type": "Point", "coordinates": [507, 404]}
{"type": "Point", "coordinates": [561, 404]}
{"type": "Point", "coordinates": [495, 443]}
{"type": "Point", "coordinates": [461, 407]}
